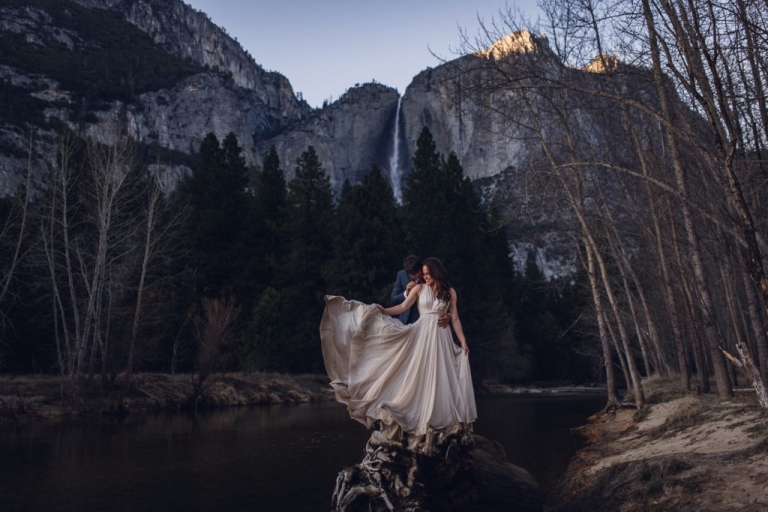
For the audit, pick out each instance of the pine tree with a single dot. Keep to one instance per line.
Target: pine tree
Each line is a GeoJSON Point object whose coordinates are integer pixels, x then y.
{"type": "Point", "coordinates": [264, 345]}
{"type": "Point", "coordinates": [219, 206]}
{"type": "Point", "coordinates": [368, 241]}
{"type": "Point", "coordinates": [421, 197]}
{"type": "Point", "coordinates": [498, 244]}
{"type": "Point", "coordinates": [235, 171]}
{"type": "Point", "coordinates": [271, 193]}
{"type": "Point", "coordinates": [310, 207]}
{"type": "Point", "coordinates": [264, 348]}
{"type": "Point", "coordinates": [443, 217]}
{"type": "Point", "coordinates": [272, 216]}
{"type": "Point", "coordinates": [545, 312]}
{"type": "Point", "coordinates": [244, 256]}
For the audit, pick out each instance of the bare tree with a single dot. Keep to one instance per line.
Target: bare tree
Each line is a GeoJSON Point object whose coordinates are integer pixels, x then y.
{"type": "Point", "coordinates": [214, 332]}
{"type": "Point", "coordinates": [17, 220]}
{"type": "Point", "coordinates": [689, 112]}
{"type": "Point", "coordinates": [104, 232]}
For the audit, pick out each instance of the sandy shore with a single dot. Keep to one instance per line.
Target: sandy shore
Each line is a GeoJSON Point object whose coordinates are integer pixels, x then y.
{"type": "Point", "coordinates": [681, 453]}
{"type": "Point", "coordinates": [40, 396]}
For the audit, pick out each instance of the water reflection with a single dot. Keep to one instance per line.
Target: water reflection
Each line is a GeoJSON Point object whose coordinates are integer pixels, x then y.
{"type": "Point", "coordinates": [536, 430]}
{"type": "Point", "coordinates": [256, 458]}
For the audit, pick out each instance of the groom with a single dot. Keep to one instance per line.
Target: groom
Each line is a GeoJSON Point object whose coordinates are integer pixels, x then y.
{"type": "Point", "coordinates": [410, 276]}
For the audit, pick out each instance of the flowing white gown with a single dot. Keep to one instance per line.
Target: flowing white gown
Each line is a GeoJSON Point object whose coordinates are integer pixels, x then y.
{"type": "Point", "coordinates": [409, 376]}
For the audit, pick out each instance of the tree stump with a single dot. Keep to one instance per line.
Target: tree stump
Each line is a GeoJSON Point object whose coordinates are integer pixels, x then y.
{"type": "Point", "coordinates": [450, 470]}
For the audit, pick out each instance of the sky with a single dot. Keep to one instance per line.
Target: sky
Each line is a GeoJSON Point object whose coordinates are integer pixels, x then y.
{"type": "Point", "coordinates": [326, 46]}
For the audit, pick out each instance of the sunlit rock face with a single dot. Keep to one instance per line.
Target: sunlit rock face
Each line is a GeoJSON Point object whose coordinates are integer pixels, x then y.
{"type": "Point", "coordinates": [519, 42]}
{"type": "Point", "coordinates": [350, 135]}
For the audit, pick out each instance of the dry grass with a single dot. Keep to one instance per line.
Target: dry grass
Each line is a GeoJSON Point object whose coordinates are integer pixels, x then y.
{"type": "Point", "coordinates": [619, 487]}
{"type": "Point", "coordinates": [29, 385]}
{"type": "Point", "coordinates": [32, 396]}
{"type": "Point", "coordinates": [683, 452]}
{"type": "Point", "coordinates": [14, 408]}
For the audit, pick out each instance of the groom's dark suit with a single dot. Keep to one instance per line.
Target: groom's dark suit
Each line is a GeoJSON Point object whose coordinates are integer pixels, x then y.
{"type": "Point", "coordinates": [398, 296]}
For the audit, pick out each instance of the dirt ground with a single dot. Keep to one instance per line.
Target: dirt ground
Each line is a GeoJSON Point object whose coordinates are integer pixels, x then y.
{"type": "Point", "coordinates": [682, 453]}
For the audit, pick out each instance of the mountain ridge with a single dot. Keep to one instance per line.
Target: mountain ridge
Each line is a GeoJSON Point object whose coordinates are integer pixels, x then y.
{"type": "Point", "coordinates": [219, 88]}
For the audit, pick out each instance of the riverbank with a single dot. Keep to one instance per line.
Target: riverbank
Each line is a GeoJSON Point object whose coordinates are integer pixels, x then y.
{"type": "Point", "coordinates": [506, 389]}
{"type": "Point", "coordinates": [41, 396]}
{"type": "Point", "coordinates": [682, 453]}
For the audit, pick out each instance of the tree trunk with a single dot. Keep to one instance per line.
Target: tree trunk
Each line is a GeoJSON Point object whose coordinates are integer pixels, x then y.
{"type": "Point", "coordinates": [718, 360]}
{"type": "Point", "coordinates": [758, 329]}
{"type": "Point", "coordinates": [746, 358]}
{"type": "Point", "coordinates": [619, 354]}
{"type": "Point", "coordinates": [154, 197]}
{"type": "Point", "coordinates": [613, 400]}
{"type": "Point", "coordinates": [9, 274]}
{"type": "Point", "coordinates": [638, 332]}
{"type": "Point", "coordinates": [605, 278]}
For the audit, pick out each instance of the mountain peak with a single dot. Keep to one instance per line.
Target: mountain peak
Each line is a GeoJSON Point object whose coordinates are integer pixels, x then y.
{"type": "Point", "coordinates": [604, 64]}
{"type": "Point", "coordinates": [520, 41]}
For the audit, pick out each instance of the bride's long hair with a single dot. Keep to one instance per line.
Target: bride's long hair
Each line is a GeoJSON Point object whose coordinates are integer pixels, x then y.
{"type": "Point", "coordinates": [440, 277]}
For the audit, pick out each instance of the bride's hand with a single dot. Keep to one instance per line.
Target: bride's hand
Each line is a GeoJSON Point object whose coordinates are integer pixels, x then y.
{"type": "Point", "coordinates": [465, 348]}
{"type": "Point", "coordinates": [381, 308]}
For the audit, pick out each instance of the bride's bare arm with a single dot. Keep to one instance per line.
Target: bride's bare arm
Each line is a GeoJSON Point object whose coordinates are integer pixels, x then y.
{"type": "Point", "coordinates": [456, 322]}
{"type": "Point", "coordinates": [413, 295]}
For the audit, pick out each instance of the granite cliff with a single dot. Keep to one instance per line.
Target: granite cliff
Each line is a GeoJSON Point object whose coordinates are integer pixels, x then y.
{"type": "Point", "coordinates": [190, 34]}
{"type": "Point", "coordinates": [168, 71]}
{"type": "Point", "coordinates": [233, 93]}
{"type": "Point", "coordinates": [173, 76]}
{"type": "Point", "coordinates": [350, 135]}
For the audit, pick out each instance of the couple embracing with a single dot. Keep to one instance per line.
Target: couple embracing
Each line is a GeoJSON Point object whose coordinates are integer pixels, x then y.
{"type": "Point", "coordinates": [405, 374]}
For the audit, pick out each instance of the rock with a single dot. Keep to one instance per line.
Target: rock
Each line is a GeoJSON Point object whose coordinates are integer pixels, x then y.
{"type": "Point", "coordinates": [483, 139]}
{"type": "Point", "coordinates": [179, 118]}
{"type": "Point", "coordinates": [190, 34]}
{"type": "Point", "coordinates": [350, 135]}
{"type": "Point", "coordinates": [447, 471]}
{"type": "Point", "coordinates": [232, 93]}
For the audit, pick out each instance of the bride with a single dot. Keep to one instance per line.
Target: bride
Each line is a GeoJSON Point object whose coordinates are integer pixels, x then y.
{"type": "Point", "coordinates": [410, 378]}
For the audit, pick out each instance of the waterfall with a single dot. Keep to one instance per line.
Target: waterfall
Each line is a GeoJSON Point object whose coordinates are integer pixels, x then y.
{"type": "Point", "coordinates": [394, 161]}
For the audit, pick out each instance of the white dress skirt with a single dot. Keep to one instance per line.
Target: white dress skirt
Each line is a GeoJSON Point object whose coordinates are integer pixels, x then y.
{"type": "Point", "coordinates": [410, 377]}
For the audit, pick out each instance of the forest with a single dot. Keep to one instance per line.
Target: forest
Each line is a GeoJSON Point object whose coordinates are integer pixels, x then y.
{"type": "Point", "coordinates": [107, 274]}
{"type": "Point", "coordinates": [667, 206]}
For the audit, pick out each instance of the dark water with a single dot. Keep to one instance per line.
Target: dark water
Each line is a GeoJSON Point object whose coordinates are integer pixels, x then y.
{"type": "Point", "coordinates": [268, 458]}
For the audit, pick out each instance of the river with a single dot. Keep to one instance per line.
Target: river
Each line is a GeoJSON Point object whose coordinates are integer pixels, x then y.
{"type": "Point", "coordinates": [262, 458]}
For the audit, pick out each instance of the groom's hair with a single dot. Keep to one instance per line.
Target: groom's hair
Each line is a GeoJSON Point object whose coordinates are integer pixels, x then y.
{"type": "Point", "coordinates": [412, 264]}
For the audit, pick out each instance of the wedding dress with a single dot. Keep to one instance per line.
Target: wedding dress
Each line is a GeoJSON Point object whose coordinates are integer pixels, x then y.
{"type": "Point", "coordinates": [410, 377]}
